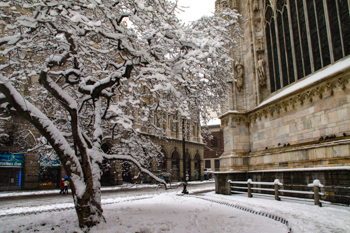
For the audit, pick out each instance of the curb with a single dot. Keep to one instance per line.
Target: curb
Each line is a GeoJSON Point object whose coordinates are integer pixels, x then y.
{"type": "Point", "coordinates": [69, 208]}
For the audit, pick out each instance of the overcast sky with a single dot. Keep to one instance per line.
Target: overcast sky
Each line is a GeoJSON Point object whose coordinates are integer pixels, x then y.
{"type": "Point", "coordinates": [197, 8]}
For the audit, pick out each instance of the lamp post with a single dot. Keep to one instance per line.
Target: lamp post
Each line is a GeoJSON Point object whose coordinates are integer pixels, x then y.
{"type": "Point", "coordinates": [184, 191]}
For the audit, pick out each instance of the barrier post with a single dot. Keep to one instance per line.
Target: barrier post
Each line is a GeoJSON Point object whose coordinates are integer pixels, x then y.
{"type": "Point", "coordinates": [316, 185]}
{"type": "Point", "coordinates": [249, 188]}
{"type": "Point", "coordinates": [276, 183]}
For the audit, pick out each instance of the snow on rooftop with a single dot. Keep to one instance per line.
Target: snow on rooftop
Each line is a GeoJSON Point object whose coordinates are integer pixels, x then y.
{"type": "Point", "coordinates": [214, 121]}
{"type": "Point", "coordinates": [313, 78]}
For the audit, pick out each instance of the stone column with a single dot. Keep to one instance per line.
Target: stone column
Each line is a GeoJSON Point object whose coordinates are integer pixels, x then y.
{"type": "Point", "coordinates": [236, 143]}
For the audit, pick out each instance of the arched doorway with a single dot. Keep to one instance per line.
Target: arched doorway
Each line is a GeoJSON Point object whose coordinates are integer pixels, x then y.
{"type": "Point", "coordinates": [105, 167]}
{"type": "Point", "coordinates": [175, 164]}
{"type": "Point", "coordinates": [162, 162]}
{"type": "Point", "coordinates": [162, 167]}
{"type": "Point", "coordinates": [197, 166]}
{"type": "Point", "coordinates": [126, 172]}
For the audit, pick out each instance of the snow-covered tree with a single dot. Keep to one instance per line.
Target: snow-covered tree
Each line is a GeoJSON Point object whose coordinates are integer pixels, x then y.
{"type": "Point", "coordinates": [77, 70]}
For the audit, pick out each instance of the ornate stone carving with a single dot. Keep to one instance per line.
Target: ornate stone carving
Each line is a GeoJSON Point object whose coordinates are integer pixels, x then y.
{"type": "Point", "coordinates": [240, 71]}
{"type": "Point", "coordinates": [256, 5]}
{"type": "Point", "coordinates": [224, 4]}
{"type": "Point", "coordinates": [261, 71]}
{"type": "Point", "coordinates": [257, 24]}
{"type": "Point", "coordinates": [259, 44]}
{"type": "Point", "coordinates": [224, 122]}
{"type": "Point", "coordinates": [235, 4]}
{"type": "Point", "coordinates": [306, 94]}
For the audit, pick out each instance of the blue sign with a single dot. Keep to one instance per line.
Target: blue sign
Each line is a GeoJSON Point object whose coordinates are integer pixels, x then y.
{"type": "Point", "coordinates": [49, 162]}
{"type": "Point", "coordinates": [11, 160]}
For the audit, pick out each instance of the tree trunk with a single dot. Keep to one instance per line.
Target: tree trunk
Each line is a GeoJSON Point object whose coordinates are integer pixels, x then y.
{"type": "Point", "coordinates": [89, 210]}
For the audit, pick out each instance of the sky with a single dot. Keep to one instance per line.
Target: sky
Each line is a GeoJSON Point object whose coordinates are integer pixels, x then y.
{"type": "Point", "coordinates": [197, 8]}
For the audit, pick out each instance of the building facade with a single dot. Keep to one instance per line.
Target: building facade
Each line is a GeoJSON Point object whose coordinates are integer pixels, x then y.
{"type": "Point", "coordinates": [289, 105]}
{"type": "Point", "coordinates": [214, 148]}
{"type": "Point", "coordinates": [20, 169]}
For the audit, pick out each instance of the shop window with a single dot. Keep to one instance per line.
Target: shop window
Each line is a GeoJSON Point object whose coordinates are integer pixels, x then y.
{"type": "Point", "coordinates": [49, 177]}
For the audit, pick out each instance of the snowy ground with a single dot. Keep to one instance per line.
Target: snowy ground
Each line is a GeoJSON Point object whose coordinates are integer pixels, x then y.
{"type": "Point", "coordinates": [158, 213]}
{"type": "Point", "coordinates": [170, 212]}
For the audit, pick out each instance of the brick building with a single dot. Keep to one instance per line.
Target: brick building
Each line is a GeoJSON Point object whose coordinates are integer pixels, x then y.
{"type": "Point", "coordinates": [214, 147]}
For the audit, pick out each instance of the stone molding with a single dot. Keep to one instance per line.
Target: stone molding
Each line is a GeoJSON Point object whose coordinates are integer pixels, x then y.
{"type": "Point", "coordinates": [276, 107]}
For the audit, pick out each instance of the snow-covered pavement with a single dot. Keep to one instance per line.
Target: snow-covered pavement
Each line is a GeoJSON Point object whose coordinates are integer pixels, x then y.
{"type": "Point", "coordinates": [169, 211]}
{"type": "Point", "coordinates": [38, 198]}
{"type": "Point", "coordinates": [166, 212]}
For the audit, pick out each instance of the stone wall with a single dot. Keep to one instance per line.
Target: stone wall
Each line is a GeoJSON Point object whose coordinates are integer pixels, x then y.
{"type": "Point", "coordinates": [309, 128]}
{"type": "Point", "coordinates": [304, 122]}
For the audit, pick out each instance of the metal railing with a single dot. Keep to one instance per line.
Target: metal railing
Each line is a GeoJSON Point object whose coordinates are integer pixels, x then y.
{"type": "Point", "coordinates": [249, 187]}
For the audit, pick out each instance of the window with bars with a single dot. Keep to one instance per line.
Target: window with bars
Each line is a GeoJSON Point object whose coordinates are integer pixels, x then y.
{"type": "Point", "coordinates": [303, 37]}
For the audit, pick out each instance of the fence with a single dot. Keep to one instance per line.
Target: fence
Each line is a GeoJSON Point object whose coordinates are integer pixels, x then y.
{"type": "Point", "coordinates": [250, 186]}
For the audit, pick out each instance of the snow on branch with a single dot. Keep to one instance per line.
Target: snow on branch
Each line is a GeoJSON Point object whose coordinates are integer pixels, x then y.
{"type": "Point", "coordinates": [45, 126]}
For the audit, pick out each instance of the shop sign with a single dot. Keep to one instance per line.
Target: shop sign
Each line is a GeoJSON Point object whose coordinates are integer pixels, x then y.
{"type": "Point", "coordinates": [49, 162]}
{"type": "Point", "coordinates": [11, 160]}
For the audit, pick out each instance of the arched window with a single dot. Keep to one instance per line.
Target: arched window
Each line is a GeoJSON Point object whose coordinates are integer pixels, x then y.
{"type": "Point", "coordinates": [322, 31]}
{"type": "Point", "coordinates": [335, 29]}
{"type": "Point", "coordinates": [270, 30]}
{"type": "Point", "coordinates": [304, 36]}
{"type": "Point", "coordinates": [339, 20]}
{"type": "Point", "coordinates": [296, 39]}
{"type": "Point", "coordinates": [175, 163]}
{"type": "Point", "coordinates": [162, 162]}
{"type": "Point", "coordinates": [106, 148]}
{"type": "Point", "coordinates": [344, 16]}
{"type": "Point", "coordinates": [281, 39]}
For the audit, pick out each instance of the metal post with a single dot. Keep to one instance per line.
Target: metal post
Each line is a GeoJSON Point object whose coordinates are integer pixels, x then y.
{"type": "Point", "coordinates": [184, 191]}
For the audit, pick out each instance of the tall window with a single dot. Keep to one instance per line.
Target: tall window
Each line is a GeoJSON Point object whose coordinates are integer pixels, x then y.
{"type": "Point", "coordinates": [214, 142]}
{"type": "Point", "coordinates": [207, 164]}
{"type": "Point", "coordinates": [175, 163]}
{"type": "Point", "coordinates": [162, 162]}
{"type": "Point", "coordinates": [304, 36]}
{"type": "Point", "coordinates": [217, 165]}
{"type": "Point", "coordinates": [270, 29]}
